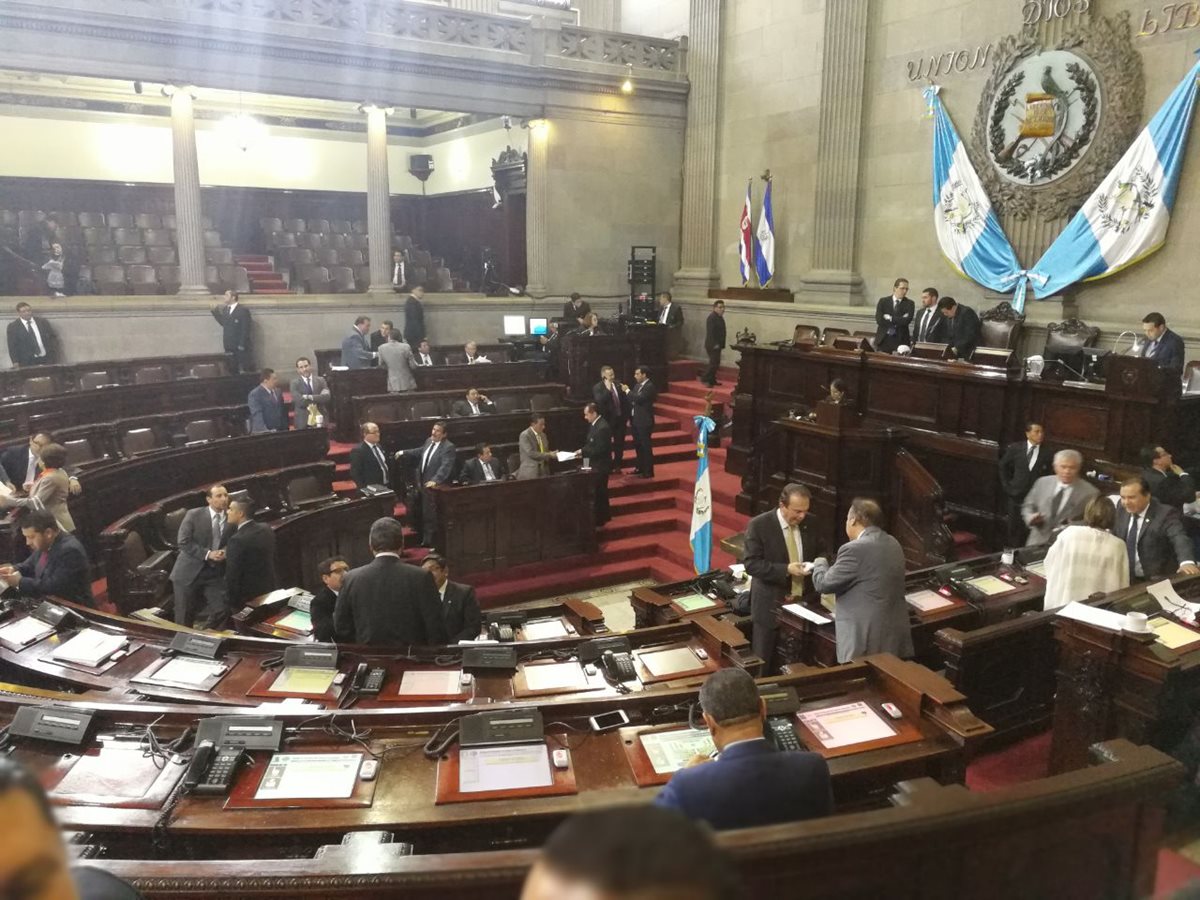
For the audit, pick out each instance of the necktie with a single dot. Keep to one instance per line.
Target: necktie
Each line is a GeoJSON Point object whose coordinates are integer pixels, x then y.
{"type": "Point", "coordinates": [217, 527]}
{"type": "Point", "coordinates": [1150, 350]}
{"type": "Point", "coordinates": [425, 459]}
{"type": "Point", "coordinates": [382, 462]}
{"type": "Point", "coordinates": [616, 399]}
{"type": "Point", "coordinates": [789, 538]}
{"type": "Point", "coordinates": [474, 409]}
{"type": "Point", "coordinates": [1131, 537]}
{"type": "Point", "coordinates": [1056, 505]}
{"type": "Point", "coordinates": [41, 563]}
{"type": "Point", "coordinates": [308, 387]}
{"type": "Point", "coordinates": [541, 443]}
{"type": "Point", "coordinates": [1030, 455]}
{"type": "Point", "coordinates": [924, 326]}
{"type": "Point", "coordinates": [487, 472]}
{"type": "Point", "coordinates": [31, 473]}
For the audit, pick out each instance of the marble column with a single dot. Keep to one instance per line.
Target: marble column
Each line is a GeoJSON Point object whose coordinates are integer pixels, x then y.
{"type": "Point", "coordinates": [481, 6]}
{"type": "Point", "coordinates": [603, 15]}
{"type": "Point", "coordinates": [379, 213]}
{"type": "Point", "coordinates": [189, 219]}
{"type": "Point", "coordinates": [833, 278]}
{"type": "Point", "coordinates": [697, 272]}
{"type": "Point", "coordinates": [537, 210]}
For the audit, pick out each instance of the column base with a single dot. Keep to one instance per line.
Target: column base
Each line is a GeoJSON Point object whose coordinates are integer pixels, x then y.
{"type": "Point", "coordinates": [380, 290]}
{"type": "Point", "coordinates": [695, 281]}
{"type": "Point", "coordinates": [193, 290]}
{"type": "Point", "coordinates": [833, 286]}
{"type": "Point", "coordinates": [537, 291]}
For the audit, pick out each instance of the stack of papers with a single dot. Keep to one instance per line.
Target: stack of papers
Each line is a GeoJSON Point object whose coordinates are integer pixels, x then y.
{"type": "Point", "coordinates": [555, 676]}
{"type": "Point", "coordinates": [1102, 618]}
{"type": "Point", "coordinates": [90, 647]}
{"type": "Point", "coordinates": [190, 673]}
{"type": "Point", "coordinates": [431, 683]}
{"type": "Point", "coordinates": [927, 601]}
{"type": "Point", "coordinates": [25, 631]}
{"type": "Point", "coordinates": [543, 629]}
{"type": "Point", "coordinates": [296, 620]}
{"type": "Point", "coordinates": [841, 726]}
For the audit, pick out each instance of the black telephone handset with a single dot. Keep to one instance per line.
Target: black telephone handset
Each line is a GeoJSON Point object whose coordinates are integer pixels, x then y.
{"type": "Point", "coordinates": [212, 769]}
{"type": "Point", "coordinates": [723, 587]}
{"type": "Point", "coordinates": [500, 631]}
{"type": "Point", "coordinates": [780, 732]}
{"type": "Point", "coordinates": [618, 666]}
{"type": "Point", "coordinates": [367, 680]}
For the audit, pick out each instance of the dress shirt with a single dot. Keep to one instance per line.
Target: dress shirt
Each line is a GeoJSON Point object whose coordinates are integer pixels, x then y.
{"type": "Point", "coordinates": [425, 459]}
{"type": "Point", "coordinates": [31, 327]}
{"type": "Point", "coordinates": [398, 273]}
{"type": "Point", "coordinates": [474, 408]}
{"type": "Point", "coordinates": [791, 533]}
{"type": "Point", "coordinates": [32, 471]}
{"type": "Point", "coordinates": [308, 388]}
{"type": "Point", "coordinates": [442, 591]}
{"type": "Point", "coordinates": [488, 475]}
{"type": "Point", "coordinates": [662, 316]}
{"type": "Point", "coordinates": [1031, 454]}
{"type": "Point", "coordinates": [426, 359]}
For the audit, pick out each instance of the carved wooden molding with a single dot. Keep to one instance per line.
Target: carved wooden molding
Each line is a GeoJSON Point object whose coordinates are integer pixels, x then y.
{"type": "Point", "coordinates": [1003, 312]}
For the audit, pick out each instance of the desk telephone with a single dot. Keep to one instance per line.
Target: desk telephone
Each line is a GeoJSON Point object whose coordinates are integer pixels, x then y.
{"type": "Point", "coordinates": [221, 745]}
{"type": "Point", "coordinates": [614, 655]}
{"type": "Point", "coordinates": [502, 626]}
{"type": "Point", "coordinates": [212, 770]}
{"type": "Point", "coordinates": [782, 705]}
{"type": "Point", "coordinates": [367, 680]}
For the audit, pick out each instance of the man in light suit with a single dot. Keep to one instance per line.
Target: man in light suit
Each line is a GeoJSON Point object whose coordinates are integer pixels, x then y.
{"type": "Point", "coordinates": [483, 467]}
{"type": "Point", "coordinates": [249, 557]}
{"type": "Point", "coordinates": [308, 387]}
{"type": "Point", "coordinates": [199, 569]}
{"type": "Point", "coordinates": [1021, 464]}
{"type": "Point", "coordinates": [1153, 533]}
{"type": "Point", "coordinates": [867, 576]}
{"type": "Point", "coordinates": [267, 412]}
{"type": "Point", "coordinates": [235, 332]}
{"type": "Point", "coordinates": [459, 606]}
{"type": "Point", "coordinates": [1162, 345]}
{"type": "Point", "coordinates": [397, 358]}
{"type": "Point", "coordinates": [368, 462]}
{"type": "Point", "coordinates": [356, 346]}
{"type": "Point", "coordinates": [1057, 500]}
{"type": "Point", "coordinates": [475, 404]}
{"type": "Point", "coordinates": [893, 315]}
{"type": "Point", "coordinates": [534, 448]}
{"type": "Point", "coordinates": [641, 398]}
{"type": "Point", "coordinates": [435, 461]}
{"type": "Point", "coordinates": [777, 545]}
{"type": "Point", "coordinates": [750, 783]}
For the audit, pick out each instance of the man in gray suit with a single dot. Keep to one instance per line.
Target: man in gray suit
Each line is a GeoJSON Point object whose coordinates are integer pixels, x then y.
{"type": "Point", "coordinates": [356, 346]}
{"type": "Point", "coordinates": [871, 615]}
{"type": "Point", "coordinates": [534, 447]}
{"type": "Point", "coordinates": [397, 358]}
{"type": "Point", "coordinates": [307, 388]}
{"type": "Point", "coordinates": [200, 566]}
{"type": "Point", "coordinates": [1057, 500]}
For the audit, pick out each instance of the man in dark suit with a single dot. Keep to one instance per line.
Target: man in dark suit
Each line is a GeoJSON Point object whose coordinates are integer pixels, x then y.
{"type": "Point", "coordinates": [1169, 484]}
{"type": "Point", "coordinates": [471, 355]}
{"type": "Point", "coordinates": [1162, 345]}
{"type": "Point", "coordinates": [235, 332]}
{"type": "Point", "coordinates": [641, 398]}
{"type": "Point", "coordinates": [597, 449]}
{"type": "Point", "coordinates": [387, 601]}
{"type": "Point", "coordinates": [308, 388]}
{"type": "Point", "coordinates": [1153, 533]}
{"type": "Point", "coordinates": [382, 336]}
{"type": "Point", "coordinates": [460, 609]}
{"type": "Point", "coordinates": [576, 309]}
{"type": "Point", "coordinates": [249, 556]}
{"type": "Point", "coordinates": [750, 783]}
{"type": "Point", "coordinates": [435, 460]}
{"type": "Point", "coordinates": [550, 345]}
{"type": "Point", "coordinates": [31, 340]}
{"type": "Point", "coordinates": [609, 396]}
{"type": "Point", "coordinates": [399, 271]}
{"type": "Point", "coordinates": [928, 325]}
{"type": "Point", "coordinates": [20, 463]}
{"type": "Point", "coordinates": [414, 317]}
{"type": "Point", "coordinates": [57, 565]}
{"type": "Point", "coordinates": [777, 545]}
{"type": "Point", "coordinates": [1021, 464]}
{"type": "Point", "coordinates": [368, 462]}
{"type": "Point", "coordinates": [483, 466]}
{"type": "Point", "coordinates": [356, 346]}
{"type": "Point", "coordinates": [669, 312]}
{"type": "Point", "coordinates": [893, 316]}
{"type": "Point", "coordinates": [267, 412]}
{"type": "Point", "coordinates": [423, 356]}
{"type": "Point", "coordinates": [714, 342]}
{"type": "Point", "coordinates": [474, 404]}
{"type": "Point", "coordinates": [199, 570]}
{"type": "Point", "coordinates": [960, 330]}
{"type": "Point", "coordinates": [320, 610]}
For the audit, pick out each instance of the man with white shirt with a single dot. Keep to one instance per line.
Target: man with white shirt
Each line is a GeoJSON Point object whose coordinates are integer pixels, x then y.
{"type": "Point", "coordinates": [474, 404]}
{"type": "Point", "coordinates": [236, 332]}
{"type": "Point", "coordinates": [471, 354]}
{"type": "Point", "coordinates": [1153, 533]}
{"type": "Point", "coordinates": [424, 354]}
{"type": "Point", "coordinates": [670, 314]}
{"type": "Point", "coordinates": [1022, 463]}
{"type": "Point", "coordinates": [399, 277]}
{"type": "Point", "coordinates": [928, 325]}
{"type": "Point", "coordinates": [892, 317]}
{"type": "Point", "coordinates": [199, 569]}
{"type": "Point", "coordinates": [484, 467]}
{"type": "Point", "coordinates": [459, 606]}
{"type": "Point", "coordinates": [435, 466]}
{"type": "Point", "coordinates": [308, 389]}
{"type": "Point", "coordinates": [31, 340]}
{"type": "Point", "coordinates": [1057, 500]}
{"type": "Point", "coordinates": [368, 464]}
{"type": "Point", "coordinates": [1163, 346]}
{"type": "Point", "coordinates": [20, 464]}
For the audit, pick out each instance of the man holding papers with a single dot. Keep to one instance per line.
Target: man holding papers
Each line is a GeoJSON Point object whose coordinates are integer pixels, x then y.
{"type": "Point", "coordinates": [57, 564]}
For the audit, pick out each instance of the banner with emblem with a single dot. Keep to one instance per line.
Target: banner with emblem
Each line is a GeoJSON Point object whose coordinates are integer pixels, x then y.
{"type": "Point", "coordinates": [1127, 216]}
{"type": "Point", "coordinates": [701, 531]}
{"type": "Point", "coordinates": [746, 238]}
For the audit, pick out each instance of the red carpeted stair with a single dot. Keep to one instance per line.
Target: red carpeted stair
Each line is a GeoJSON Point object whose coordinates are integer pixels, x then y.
{"type": "Point", "coordinates": [263, 277]}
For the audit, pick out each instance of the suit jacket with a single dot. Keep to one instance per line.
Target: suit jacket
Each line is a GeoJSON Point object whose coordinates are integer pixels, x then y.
{"type": "Point", "coordinates": [935, 334]}
{"type": "Point", "coordinates": [22, 346]}
{"type": "Point", "coordinates": [612, 411]}
{"type": "Point", "coordinates": [250, 563]}
{"type": "Point", "coordinates": [194, 542]}
{"type": "Point", "coordinates": [1039, 499]}
{"type": "Point", "coordinates": [1170, 489]}
{"type": "Point", "coordinates": [868, 578]}
{"type": "Point", "coordinates": [267, 412]}
{"type": "Point", "coordinates": [320, 395]}
{"type": "Point", "coordinates": [66, 573]}
{"type": "Point", "coordinates": [397, 358]}
{"type": "Point", "coordinates": [674, 315]}
{"type": "Point", "coordinates": [461, 408]}
{"type": "Point", "coordinates": [641, 397]}
{"type": "Point", "coordinates": [364, 466]}
{"type": "Point", "coordinates": [1168, 354]}
{"type": "Point", "coordinates": [388, 601]}
{"type": "Point", "coordinates": [1163, 545]}
{"type": "Point", "coordinates": [472, 470]}
{"type": "Point", "coordinates": [376, 340]}
{"type": "Point", "coordinates": [714, 332]}
{"type": "Point", "coordinates": [598, 447]}
{"type": "Point", "coordinates": [891, 334]}
{"type": "Point", "coordinates": [356, 351]}
{"type": "Point", "coordinates": [962, 332]}
{"type": "Point", "coordinates": [570, 312]}
{"type": "Point", "coordinates": [534, 462]}
{"type": "Point", "coordinates": [461, 612]}
{"type": "Point", "coordinates": [766, 559]}
{"type": "Point", "coordinates": [320, 611]}
{"type": "Point", "coordinates": [15, 462]}
{"type": "Point", "coordinates": [235, 327]}
{"type": "Point", "coordinates": [750, 784]}
{"type": "Point", "coordinates": [1016, 478]}
{"type": "Point", "coordinates": [414, 321]}
{"type": "Point", "coordinates": [417, 361]}
{"type": "Point", "coordinates": [441, 463]}
{"type": "Point", "coordinates": [49, 492]}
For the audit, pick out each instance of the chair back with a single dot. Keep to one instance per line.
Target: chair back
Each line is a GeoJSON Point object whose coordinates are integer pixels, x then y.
{"type": "Point", "coordinates": [1000, 326]}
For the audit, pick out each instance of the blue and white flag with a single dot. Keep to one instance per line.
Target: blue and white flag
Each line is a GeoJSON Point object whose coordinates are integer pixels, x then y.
{"type": "Point", "coordinates": [967, 227]}
{"type": "Point", "coordinates": [702, 499]}
{"type": "Point", "coordinates": [764, 250]}
{"type": "Point", "coordinates": [1127, 216]}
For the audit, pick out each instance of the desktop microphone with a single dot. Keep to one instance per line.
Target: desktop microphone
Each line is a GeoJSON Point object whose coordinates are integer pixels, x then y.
{"type": "Point", "coordinates": [1134, 349]}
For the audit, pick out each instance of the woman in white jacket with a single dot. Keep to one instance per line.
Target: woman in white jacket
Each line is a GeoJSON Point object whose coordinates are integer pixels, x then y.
{"type": "Point", "coordinates": [1087, 558]}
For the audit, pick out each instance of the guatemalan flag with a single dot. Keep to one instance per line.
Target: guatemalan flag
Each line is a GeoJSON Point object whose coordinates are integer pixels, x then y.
{"type": "Point", "coordinates": [967, 227]}
{"type": "Point", "coordinates": [702, 499]}
{"type": "Point", "coordinates": [1127, 216]}
{"type": "Point", "coordinates": [746, 241]}
{"type": "Point", "coordinates": [764, 250]}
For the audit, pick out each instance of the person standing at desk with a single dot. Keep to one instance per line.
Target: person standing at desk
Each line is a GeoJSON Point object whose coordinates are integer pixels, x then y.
{"type": "Point", "coordinates": [199, 569]}
{"type": "Point", "coordinates": [534, 448]}
{"type": "Point", "coordinates": [397, 358]}
{"type": "Point", "coordinates": [1157, 545]}
{"type": "Point", "coordinates": [1056, 500]}
{"type": "Point", "coordinates": [613, 405]}
{"type": "Point", "coordinates": [31, 340]}
{"type": "Point", "coordinates": [927, 326]}
{"type": "Point", "coordinates": [598, 451]}
{"type": "Point", "coordinates": [714, 342]}
{"type": "Point", "coordinates": [368, 463]}
{"type": "Point", "coordinates": [1163, 346]}
{"type": "Point", "coordinates": [960, 330]}
{"type": "Point", "coordinates": [459, 606]}
{"type": "Point", "coordinates": [249, 557]}
{"type": "Point", "coordinates": [399, 275]}
{"type": "Point", "coordinates": [576, 309]}
{"type": "Point", "coordinates": [641, 398]}
{"type": "Point", "coordinates": [320, 610]}
{"type": "Point", "coordinates": [414, 317]}
{"type": "Point", "coordinates": [1086, 559]}
{"type": "Point", "coordinates": [356, 346]}
{"type": "Point", "coordinates": [236, 337]}
{"type": "Point", "coordinates": [893, 315]}
{"type": "Point", "coordinates": [1021, 464]}
{"type": "Point", "coordinates": [308, 389]}
{"type": "Point", "coordinates": [267, 412]}
{"type": "Point", "coordinates": [435, 466]}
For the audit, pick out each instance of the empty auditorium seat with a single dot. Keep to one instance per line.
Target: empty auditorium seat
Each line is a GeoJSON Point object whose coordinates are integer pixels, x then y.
{"type": "Point", "coordinates": [151, 375]}
{"type": "Point", "coordinates": [342, 279]}
{"type": "Point", "coordinates": [171, 522]}
{"type": "Point", "coordinates": [79, 451]}
{"type": "Point", "coordinates": [109, 279]}
{"type": "Point", "coordinates": [315, 278]}
{"type": "Point", "coordinates": [201, 429]}
{"type": "Point", "coordinates": [147, 220]}
{"type": "Point", "coordinates": [360, 241]}
{"type": "Point", "coordinates": [124, 237]}
{"type": "Point", "coordinates": [206, 370]}
{"type": "Point", "coordinates": [362, 277]}
{"type": "Point", "coordinates": [358, 226]}
{"type": "Point", "coordinates": [402, 242]}
{"type": "Point", "coordinates": [138, 440]}
{"type": "Point", "coordinates": [382, 412]}
{"type": "Point", "coordinates": [168, 278]}
{"type": "Point", "coordinates": [296, 225]}
{"type": "Point", "coordinates": [321, 226]}
{"type": "Point", "coordinates": [282, 239]}
{"type": "Point", "coordinates": [168, 222]}
{"type": "Point", "coordinates": [285, 257]}
{"type": "Point", "coordinates": [510, 403]}
{"type": "Point", "coordinates": [328, 257]}
{"type": "Point", "coordinates": [99, 255]}
{"type": "Point", "coordinates": [829, 335]}
{"type": "Point", "coordinates": [142, 279]}
{"type": "Point", "coordinates": [219, 256]}
{"type": "Point", "coordinates": [350, 257]}
{"type": "Point", "coordinates": [30, 217]}
{"type": "Point", "coordinates": [41, 386]}
{"type": "Point", "coordinates": [542, 402]}
{"type": "Point", "coordinates": [89, 381]}
{"type": "Point", "coordinates": [83, 283]}
{"type": "Point", "coordinates": [306, 490]}
{"type": "Point", "coordinates": [98, 235]}
{"type": "Point", "coordinates": [212, 238]}
{"type": "Point", "coordinates": [339, 226]}
{"type": "Point", "coordinates": [241, 280]}
{"type": "Point", "coordinates": [426, 409]}
{"type": "Point", "coordinates": [443, 281]}
{"type": "Point", "coordinates": [302, 256]}
{"type": "Point", "coordinates": [161, 256]}
{"type": "Point", "coordinates": [119, 220]}
{"type": "Point", "coordinates": [337, 241]}
{"type": "Point", "coordinates": [312, 241]}
{"type": "Point", "coordinates": [8, 219]}
{"type": "Point", "coordinates": [132, 256]}
{"type": "Point", "coordinates": [64, 219]}
{"type": "Point", "coordinates": [268, 224]}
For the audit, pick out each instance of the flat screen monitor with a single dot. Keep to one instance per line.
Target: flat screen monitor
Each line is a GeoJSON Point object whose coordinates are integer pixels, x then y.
{"type": "Point", "coordinates": [514, 326]}
{"type": "Point", "coordinates": [538, 326]}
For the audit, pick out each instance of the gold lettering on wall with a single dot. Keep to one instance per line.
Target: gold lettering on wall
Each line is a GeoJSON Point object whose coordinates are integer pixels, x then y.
{"type": "Point", "coordinates": [963, 60]}
{"type": "Point", "coordinates": [1173, 17]}
{"type": "Point", "coordinates": [1035, 11]}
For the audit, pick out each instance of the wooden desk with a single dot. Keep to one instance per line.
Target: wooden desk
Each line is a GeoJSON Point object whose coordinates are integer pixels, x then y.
{"type": "Point", "coordinates": [583, 357]}
{"type": "Point", "coordinates": [66, 376]}
{"type": "Point", "coordinates": [327, 358]}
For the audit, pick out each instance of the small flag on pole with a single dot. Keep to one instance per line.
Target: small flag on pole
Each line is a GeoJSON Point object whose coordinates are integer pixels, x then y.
{"type": "Point", "coordinates": [702, 499]}
{"type": "Point", "coordinates": [764, 250]}
{"type": "Point", "coordinates": [746, 240]}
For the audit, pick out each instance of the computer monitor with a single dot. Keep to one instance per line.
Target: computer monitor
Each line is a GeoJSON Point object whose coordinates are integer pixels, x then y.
{"type": "Point", "coordinates": [514, 326]}
{"type": "Point", "coordinates": [538, 326]}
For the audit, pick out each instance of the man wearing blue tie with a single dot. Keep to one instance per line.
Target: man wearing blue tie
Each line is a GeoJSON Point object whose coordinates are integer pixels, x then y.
{"type": "Point", "coordinates": [1162, 345]}
{"type": "Point", "coordinates": [356, 347]}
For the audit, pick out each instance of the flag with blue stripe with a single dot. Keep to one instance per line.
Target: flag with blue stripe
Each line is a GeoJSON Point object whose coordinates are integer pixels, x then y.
{"type": "Point", "coordinates": [764, 248]}
{"type": "Point", "coordinates": [1127, 216]}
{"type": "Point", "coordinates": [701, 532]}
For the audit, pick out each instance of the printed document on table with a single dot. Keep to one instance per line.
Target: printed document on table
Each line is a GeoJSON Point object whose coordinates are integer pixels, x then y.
{"type": "Point", "coordinates": [25, 631]}
{"type": "Point", "coordinates": [990, 585]}
{"type": "Point", "coordinates": [431, 683]}
{"type": "Point", "coordinates": [664, 663]}
{"type": "Point", "coordinates": [309, 776]}
{"type": "Point", "coordinates": [1102, 618]}
{"type": "Point", "coordinates": [504, 768]}
{"type": "Point", "coordinates": [90, 647]}
{"type": "Point", "coordinates": [927, 601]}
{"type": "Point", "coordinates": [1168, 598]}
{"type": "Point", "coordinates": [851, 723]}
{"type": "Point", "coordinates": [191, 672]}
{"type": "Point", "coordinates": [303, 680]}
{"type": "Point", "coordinates": [555, 676]}
{"type": "Point", "coordinates": [542, 629]}
{"type": "Point", "coordinates": [297, 620]}
{"type": "Point", "coordinates": [670, 751]}
{"type": "Point", "coordinates": [1172, 635]}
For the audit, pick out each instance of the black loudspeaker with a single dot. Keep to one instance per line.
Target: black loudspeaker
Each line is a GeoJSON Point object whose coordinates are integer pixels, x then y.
{"type": "Point", "coordinates": [420, 165]}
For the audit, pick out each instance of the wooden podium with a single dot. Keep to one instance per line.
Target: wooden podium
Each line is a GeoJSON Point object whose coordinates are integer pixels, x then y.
{"type": "Point", "coordinates": [641, 345]}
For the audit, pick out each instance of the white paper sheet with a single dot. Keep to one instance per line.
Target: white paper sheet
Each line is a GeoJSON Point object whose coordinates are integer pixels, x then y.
{"type": "Point", "coordinates": [991, 585]}
{"type": "Point", "coordinates": [851, 723]}
{"type": "Point", "coordinates": [670, 751]}
{"type": "Point", "coordinates": [1168, 598]}
{"type": "Point", "coordinates": [303, 680]}
{"type": "Point", "coordinates": [431, 683]}
{"type": "Point", "coordinates": [90, 647]}
{"type": "Point", "coordinates": [805, 613]}
{"type": "Point", "coordinates": [307, 776]}
{"type": "Point", "coordinates": [296, 620]}
{"type": "Point", "coordinates": [927, 601]}
{"type": "Point", "coordinates": [25, 631]}
{"type": "Point", "coordinates": [1102, 618]}
{"type": "Point", "coordinates": [504, 768]}
{"type": "Point", "coordinates": [543, 629]}
{"type": "Point", "coordinates": [663, 663]}
{"type": "Point", "coordinates": [190, 672]}
{"type": "Point", "coordinates": [555, 676]}
{"type": "Point", "coordinates": [565, 456]}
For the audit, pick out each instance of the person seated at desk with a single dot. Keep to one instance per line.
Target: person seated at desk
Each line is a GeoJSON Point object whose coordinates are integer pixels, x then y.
{"type": "Point", "coordinates": [591, 326]}
{"type": "Point", "coordinates": [750, 783]}
{"type": "Point", "coordinates": [368, 463]}
{"type": "Point", "coordinates": [267, 412]}
{"type": "Point", "coordinates": [471, 355]}
{"type": "Point", "coordinates": [320, 610]}
{"type": "Point", "coordinates": [57, 565]}
{"type": "Point", "coordinates": [483, 467]}
{"type": "Point", "coordinates": [249, 557]}
{"type": "Point", "coordinates": [534, 448]}
{"type": "Point", "coordinates": [1086, 559]}
{"type": "Point", "coordinates": [928, 325]}
{"type": "Point", "coordinates": [1163, 346]}
{"type": "Point", "coordinates": [576, 309]}
{"type": "Point", "coordinates": [387, 601]}
{"type": "Point", "coordinates": [475, 404]}
{"type": "Point", "coordinates": [459, 606]}
{"type": "Point", "coordinates": [960, 330]}
{"type": "Point", "coordinates": [424, 354]}
{"type": "Point", "coordinates": [383, 335]}
{"type": "Point", "coordinates": [356, 346]}
{"type": "Point", "coordinates": [1169, 484]}
{"type": "Point", "coordinates": [1056, 500]}
{"type": "Point", "coordinates": [1153, 533]}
